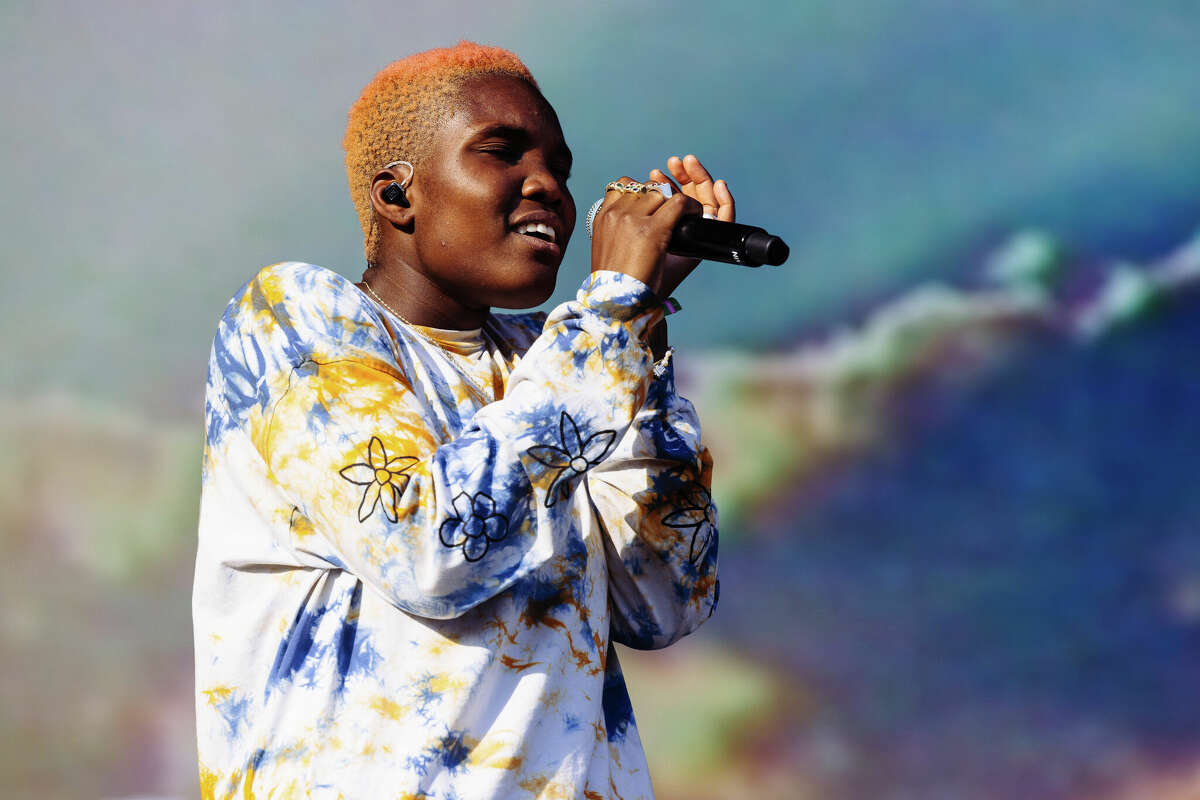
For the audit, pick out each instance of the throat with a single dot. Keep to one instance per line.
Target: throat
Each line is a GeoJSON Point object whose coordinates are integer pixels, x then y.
{"type": "Point", "coordinates": [415, 299]}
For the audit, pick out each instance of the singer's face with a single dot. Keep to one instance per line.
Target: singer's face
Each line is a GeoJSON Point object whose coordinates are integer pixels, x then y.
{"type": "Point", "coordinates": [494, 214]}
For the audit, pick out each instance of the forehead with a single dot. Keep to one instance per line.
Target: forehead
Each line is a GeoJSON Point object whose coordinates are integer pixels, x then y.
{"type": "Point", "coordinates": [491, 101]}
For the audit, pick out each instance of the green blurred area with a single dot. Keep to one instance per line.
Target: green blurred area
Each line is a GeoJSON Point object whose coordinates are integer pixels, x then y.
{"type": "Point", "coordinates": [97, 528]}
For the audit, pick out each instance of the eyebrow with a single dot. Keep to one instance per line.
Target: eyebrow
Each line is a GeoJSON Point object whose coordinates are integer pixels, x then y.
{"type": "Point", "coordinates": [518, 133]}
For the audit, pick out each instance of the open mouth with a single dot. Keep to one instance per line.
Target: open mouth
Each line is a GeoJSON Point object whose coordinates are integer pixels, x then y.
{"type": "Point", "coordinates": [538, 230]}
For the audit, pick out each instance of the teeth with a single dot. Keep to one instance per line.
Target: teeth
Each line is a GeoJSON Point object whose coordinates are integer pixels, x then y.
{"type": "Point", "coordinates": [537, 227]}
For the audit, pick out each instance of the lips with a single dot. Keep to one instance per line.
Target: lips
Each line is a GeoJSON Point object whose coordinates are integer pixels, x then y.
{"type": "Point", "coordinates": [540, 227]}
{"type": "Point", "coordinates": [540, 248]}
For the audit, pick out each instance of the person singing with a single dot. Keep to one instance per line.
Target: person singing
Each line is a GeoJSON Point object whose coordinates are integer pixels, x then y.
{"type": "Point", "coordinates": [424, 525]}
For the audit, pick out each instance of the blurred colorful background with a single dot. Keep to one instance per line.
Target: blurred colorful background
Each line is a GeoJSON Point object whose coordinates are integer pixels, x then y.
{"type": "Point", "coordinates": [956, 434]}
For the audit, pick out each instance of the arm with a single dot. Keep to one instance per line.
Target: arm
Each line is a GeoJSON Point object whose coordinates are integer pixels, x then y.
{"type": "Point", "coordinates": [652, 497]}
{"type": "Point", "coordinates": [653, 492]}
{"type": "Point", "coordinates": [439, 527]}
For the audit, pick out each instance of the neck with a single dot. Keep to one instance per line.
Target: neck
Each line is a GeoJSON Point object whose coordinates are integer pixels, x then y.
{"type": "Point", "coordinates": [419, 300]}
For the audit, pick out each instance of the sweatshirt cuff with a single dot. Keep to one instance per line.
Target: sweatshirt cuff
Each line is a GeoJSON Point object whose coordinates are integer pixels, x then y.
{"type": "Point", "coordinates": [617, 296]}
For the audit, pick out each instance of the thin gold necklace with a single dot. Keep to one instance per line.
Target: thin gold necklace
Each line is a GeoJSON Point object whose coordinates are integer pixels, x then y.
{"type": "Point", "coordinates": [474, 384]}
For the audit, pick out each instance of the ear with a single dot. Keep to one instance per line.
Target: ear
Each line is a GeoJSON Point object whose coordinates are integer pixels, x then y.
{"type": "Point", "coordinates": [400, 215]}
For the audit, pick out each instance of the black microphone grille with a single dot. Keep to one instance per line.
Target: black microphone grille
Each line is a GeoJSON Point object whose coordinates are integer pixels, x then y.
{"type": "Point", "coordinates": [766, 249]}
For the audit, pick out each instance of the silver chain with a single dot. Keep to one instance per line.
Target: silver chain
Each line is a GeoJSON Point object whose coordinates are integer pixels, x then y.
{"type": "Point", "coordinates": [483, 392]}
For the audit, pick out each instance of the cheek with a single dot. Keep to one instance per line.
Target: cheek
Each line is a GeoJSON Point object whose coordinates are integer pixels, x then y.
{"type": "Point", "coordinates": [456, 223]}
{"type": "Point", "coordinates": [480, 213]}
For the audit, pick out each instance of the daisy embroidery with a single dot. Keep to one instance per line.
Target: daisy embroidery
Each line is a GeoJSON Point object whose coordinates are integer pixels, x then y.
{"type": "Point", "coordinates": [697, 514]}
{"type": "Point", "coordinates": [476, 526]}
{"type": "Point", "coordinates": [573, 457]}
{"type": "Point", "coordinates": [382, 479]}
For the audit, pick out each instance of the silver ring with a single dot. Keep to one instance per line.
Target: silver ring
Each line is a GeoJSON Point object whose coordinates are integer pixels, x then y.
{"type": "Point", "coordinates": [663, 188]}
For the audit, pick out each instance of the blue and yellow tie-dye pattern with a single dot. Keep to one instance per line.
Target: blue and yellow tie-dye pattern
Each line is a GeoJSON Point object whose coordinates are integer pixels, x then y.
{"type": "Point", "coordinates": [405, 588]}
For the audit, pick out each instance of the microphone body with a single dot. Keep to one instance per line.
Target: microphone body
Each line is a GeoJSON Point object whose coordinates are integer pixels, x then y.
{"type": "Point", "coordinates": [714, 240]}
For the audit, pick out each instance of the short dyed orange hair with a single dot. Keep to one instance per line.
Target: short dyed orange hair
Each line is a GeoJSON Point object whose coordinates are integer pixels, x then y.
{"type": "Point", "coordinates": [401, 108]}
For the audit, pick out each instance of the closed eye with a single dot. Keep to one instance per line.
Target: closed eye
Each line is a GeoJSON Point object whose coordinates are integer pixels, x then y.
{"type": "Point", "coordinates": [513, 153]}
{"type": "Point", "coordinates": [508, 153]}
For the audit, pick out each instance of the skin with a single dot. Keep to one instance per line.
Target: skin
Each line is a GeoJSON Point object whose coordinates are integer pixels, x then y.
{"type": "Point", "coordinates": [452, 252]}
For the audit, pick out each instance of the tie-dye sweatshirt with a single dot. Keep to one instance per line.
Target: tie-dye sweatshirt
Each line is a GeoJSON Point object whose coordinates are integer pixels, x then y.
{"type": "Point", "coordinates": [408, 585]}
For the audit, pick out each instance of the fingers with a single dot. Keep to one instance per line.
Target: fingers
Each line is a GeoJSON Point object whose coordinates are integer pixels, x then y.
{"type": "Point", "coordinates": [701, 182]}
{"type": "Point", "coordinates": [696, 171]}
{"type": "Point", "coordinates": [696, 181]}
{"type": "Point", "coordinates": [678, 171]}
{"type": "Point", "coordinates": [632, 229]}
{"type": "Point", "coordinates": [610, 194]}
{"type": "Point", "coordinates": [647, 200]}
{"type": "Point", "coordinates": [726, 210]}
{"type": "Point", "coordinates": [675, 207]}
{"type": "Point", "coordinates": [621, 203]}
{"type": "Point", "coordinates": [650, 207]}
{"type": "Point", "coordinates": [658, 176]}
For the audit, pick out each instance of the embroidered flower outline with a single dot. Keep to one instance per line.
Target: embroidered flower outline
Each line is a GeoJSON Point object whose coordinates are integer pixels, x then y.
{"type": "Point", "coordinates": [697, 515]}
{"type": "Point", "coordinates": [382, 477]}
{"type": "Point", "coordinates": [476, 526]}
{"type": "Point", "coordinates": [574, 457]}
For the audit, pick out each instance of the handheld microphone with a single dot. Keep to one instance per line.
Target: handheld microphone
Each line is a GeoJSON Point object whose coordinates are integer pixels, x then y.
{"type": "Point", "coordinates": [712, 239]}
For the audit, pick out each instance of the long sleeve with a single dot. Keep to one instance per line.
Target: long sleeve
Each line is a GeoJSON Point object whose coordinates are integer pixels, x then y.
{"type": "Point", "coordinates": [402, 583]}
{"type": "Point", "coordinates": [349, 438]}
{"type": "Point", "coordinates": [652, 495]}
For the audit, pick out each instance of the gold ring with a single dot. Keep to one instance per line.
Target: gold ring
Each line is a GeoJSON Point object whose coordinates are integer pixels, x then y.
{"type": "Point", "coordinates": [626, 187]}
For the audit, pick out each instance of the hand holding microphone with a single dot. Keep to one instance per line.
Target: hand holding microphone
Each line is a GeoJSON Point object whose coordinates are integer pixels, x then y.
{"type": "Point", "coordinates": [632, 231]}
{"type": "Point", "coordinates": [714, 236]}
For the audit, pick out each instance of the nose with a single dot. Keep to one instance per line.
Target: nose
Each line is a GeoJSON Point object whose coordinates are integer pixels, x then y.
{"type": "Point", "coordinates": [543, 185]}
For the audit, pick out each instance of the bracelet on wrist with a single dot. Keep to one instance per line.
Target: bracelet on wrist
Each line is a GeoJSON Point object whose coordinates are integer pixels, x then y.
{"type": "Point", "coordinates": [660, 366]}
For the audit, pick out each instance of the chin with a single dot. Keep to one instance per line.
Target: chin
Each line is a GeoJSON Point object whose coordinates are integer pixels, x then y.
{"type": "Point", "coordinates": [529, 293]}
{"type": "Point", "coordinates": [527, 297]}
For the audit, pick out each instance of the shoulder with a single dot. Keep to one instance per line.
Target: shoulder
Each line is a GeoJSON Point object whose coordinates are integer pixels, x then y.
{"type": "Point", "coordinates": [282, 323]}
{"type": "Point", "coordinates": [304, 289]}
{"type": "Point", "coordinates": [291, 311]}
{"type": "Point", "coordinates": [305, 301]}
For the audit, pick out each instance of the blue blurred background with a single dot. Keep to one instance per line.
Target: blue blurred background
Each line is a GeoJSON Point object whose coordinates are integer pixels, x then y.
{"type": "Point", "coordinates": [954, 435]}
